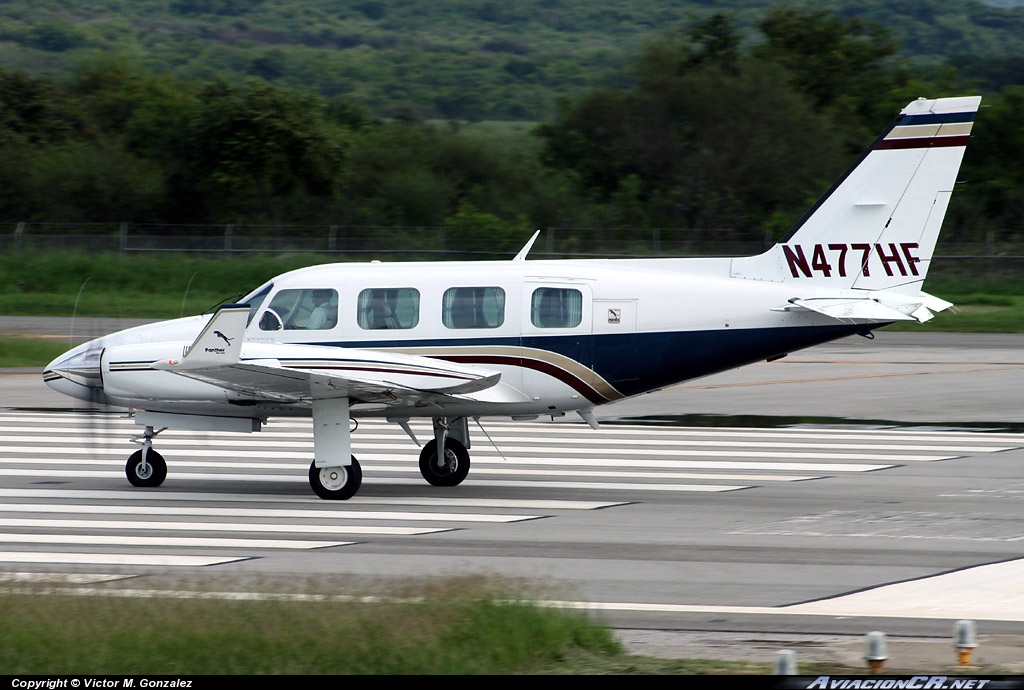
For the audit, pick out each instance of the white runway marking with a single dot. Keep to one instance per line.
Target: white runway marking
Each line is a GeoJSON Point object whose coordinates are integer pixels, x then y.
{"type": "Point", "coordinates": [150, 542]}
{"type": "Point", "coordinates": [111, 559]}
{"type": "Point", "coordinates": [616, 460]}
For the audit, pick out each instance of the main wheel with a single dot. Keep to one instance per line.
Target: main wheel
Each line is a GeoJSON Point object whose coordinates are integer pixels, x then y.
{"type": "Point", "coordinates": [152, 473]}
{"type": "Point", "coordinates": [449, 471]}
{"type": "Point", "coordinates": [336, 483]}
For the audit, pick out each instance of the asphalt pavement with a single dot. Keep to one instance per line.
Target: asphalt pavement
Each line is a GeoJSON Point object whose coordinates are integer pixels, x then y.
{"type": "Point", "coordinates": [897, 379]}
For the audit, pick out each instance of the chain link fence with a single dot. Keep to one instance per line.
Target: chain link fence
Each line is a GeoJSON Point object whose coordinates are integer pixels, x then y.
{"type": "Point", "coordinates": [415, 243]}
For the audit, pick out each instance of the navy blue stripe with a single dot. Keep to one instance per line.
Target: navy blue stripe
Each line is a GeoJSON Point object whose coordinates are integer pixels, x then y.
{"type": "Point", "coordinates": [642, 362]}
{"type": "Point", "coordinates": [936, 118]}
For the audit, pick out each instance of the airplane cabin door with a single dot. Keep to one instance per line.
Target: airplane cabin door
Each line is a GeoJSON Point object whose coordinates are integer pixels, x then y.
{"type": "Point", "coordinates": [615, 353]}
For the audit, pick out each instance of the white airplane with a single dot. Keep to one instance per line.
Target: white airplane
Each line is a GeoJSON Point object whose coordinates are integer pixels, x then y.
{"type": "Point", "coordinates": [452, 341]}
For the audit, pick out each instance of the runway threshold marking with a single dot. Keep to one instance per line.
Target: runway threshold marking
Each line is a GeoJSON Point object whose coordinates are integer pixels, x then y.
{"type": "Point", "coordinates": [151, 541]}
{"type": "Point", "coordinates": [120, 559]}
{"type": "Point", "coordinates": [132, 494]}
{"type": "Point", "coordinates": [593, 455]}
{"type": "Point", "coordinates": [270, 514]}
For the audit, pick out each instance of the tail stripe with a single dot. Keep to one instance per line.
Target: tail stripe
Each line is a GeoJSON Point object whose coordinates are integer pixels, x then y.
{"type": "Point", "coordinates": [929, 130]}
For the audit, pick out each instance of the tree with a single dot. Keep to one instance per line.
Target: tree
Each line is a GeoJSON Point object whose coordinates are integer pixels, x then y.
{"type": "Point", "coordinates": [255, 145]}
{"type": "Point", "coordinates": [830, 57]}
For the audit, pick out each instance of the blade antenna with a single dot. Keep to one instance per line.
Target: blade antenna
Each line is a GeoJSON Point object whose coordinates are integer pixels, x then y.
{"type": "Point", "coordinates": [521, 256]}
{"type": "Point", "coordinates": [71, 334]}
{"type": "Point", "coordinates": [187, 288]}
{"type": "Point", "coordinates": [477, 420]}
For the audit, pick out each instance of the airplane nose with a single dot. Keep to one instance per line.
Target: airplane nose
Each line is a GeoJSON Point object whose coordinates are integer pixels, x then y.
{"type": "Point", "coordinates": [77, 373]}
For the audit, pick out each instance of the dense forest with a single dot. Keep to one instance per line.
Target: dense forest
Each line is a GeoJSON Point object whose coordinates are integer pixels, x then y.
{"type": "Point", "coordinates": [373, 113]}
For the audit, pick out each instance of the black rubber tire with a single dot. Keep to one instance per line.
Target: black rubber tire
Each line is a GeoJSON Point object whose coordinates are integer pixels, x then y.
{"type": "Point", "coordinates": [155, 466]}
{"type": "Point", "coordinates": [336, 483]}
{"type": "Point", "coordinates": [455, 469]}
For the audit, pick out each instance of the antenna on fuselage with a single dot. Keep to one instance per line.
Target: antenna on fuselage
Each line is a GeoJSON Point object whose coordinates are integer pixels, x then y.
{"type": "Point", "coordinates": [521, 256]}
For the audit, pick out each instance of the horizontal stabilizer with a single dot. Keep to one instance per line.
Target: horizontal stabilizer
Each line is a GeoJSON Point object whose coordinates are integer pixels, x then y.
{"type": "Point", "coordinates": [852, 310]}
{"type": "Point", "coordinates": [934, 303]}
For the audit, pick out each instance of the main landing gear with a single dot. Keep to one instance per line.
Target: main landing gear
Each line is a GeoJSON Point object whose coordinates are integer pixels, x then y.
{"type": "Point", "coordinates": [336, 483]}
{"type": "Point", "coordinates": [451, 467]}
{"type": "Point", "coordinates": [147, 468]}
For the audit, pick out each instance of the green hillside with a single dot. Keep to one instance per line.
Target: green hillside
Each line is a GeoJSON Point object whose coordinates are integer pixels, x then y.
{"type": "Point", "coordinates": [460, 59]}
{"type": "Point", "coordinates": [603, 119]}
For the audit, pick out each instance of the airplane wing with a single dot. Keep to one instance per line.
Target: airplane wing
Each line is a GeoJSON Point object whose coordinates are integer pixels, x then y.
{"type": "Point", "coordinates": [296, 373]}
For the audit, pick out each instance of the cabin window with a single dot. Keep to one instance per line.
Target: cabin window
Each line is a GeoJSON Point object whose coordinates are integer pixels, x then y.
{"type": "Point", "coordinates": [309, 309]}
{"type": "Point", "coordinates": [473, 307]}
{"type": "Point", "coordinates": [556, 308]}
{"type": "Point", "coordinates": [388, 308]}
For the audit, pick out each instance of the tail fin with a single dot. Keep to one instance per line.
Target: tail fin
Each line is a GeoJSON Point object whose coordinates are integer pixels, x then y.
{"type": "Point", "coordinates": [876, 228]}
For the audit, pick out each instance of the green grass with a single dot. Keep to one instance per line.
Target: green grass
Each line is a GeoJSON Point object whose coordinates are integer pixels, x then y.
{"type": "Point", "coordinates": [465, 626]}
{"type": "Point", "coordinates": [20, 351]}
{"type": "Point", "coordinates": [474, 625]}
{"type": "Point", "coordinates": [462, 626]}
{"type": "Point", "coordinates": [975, 313]}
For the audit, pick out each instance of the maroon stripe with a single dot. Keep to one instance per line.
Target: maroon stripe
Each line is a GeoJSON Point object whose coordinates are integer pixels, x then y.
{"type": "Point", "coordinates": [379, 370]}
{"type": "Point", "coordinates": [574, 382]}
{"type": "Point", "coordinates": [922, 142]}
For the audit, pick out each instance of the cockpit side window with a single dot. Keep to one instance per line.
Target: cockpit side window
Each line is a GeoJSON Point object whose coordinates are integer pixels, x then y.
{"type": "Point", "coordinates": [305, 309]}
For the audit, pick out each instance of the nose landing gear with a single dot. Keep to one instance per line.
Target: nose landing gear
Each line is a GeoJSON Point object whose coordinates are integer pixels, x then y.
{"type": "Point", "coordinates": [146, 467]}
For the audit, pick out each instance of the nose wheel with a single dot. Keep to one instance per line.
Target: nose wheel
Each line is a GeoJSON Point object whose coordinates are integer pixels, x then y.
{"type": "Point", "coordinates": [145, 468]}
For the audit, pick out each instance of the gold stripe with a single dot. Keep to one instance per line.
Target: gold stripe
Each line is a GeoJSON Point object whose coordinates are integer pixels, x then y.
{"type": "Point", "coordinates": [585, 374]}
{"type": "Point", "coordinates": [955, 129]}
{"type": "Point", "coordinates": [950, 129]}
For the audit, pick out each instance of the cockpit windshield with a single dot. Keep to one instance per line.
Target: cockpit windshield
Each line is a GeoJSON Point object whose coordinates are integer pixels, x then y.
{"type": "Point", "coordinates": [255, 300]}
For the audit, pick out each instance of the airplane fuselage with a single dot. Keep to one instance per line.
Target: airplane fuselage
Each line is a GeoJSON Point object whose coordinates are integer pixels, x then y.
{"type": "Point", "coordinates": [616, 328]}
{"type": "Point", "coordinates": [452, 341]}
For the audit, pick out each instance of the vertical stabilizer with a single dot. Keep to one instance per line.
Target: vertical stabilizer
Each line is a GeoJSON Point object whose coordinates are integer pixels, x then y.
{"type": "Point", "coordinates": [876, 228]}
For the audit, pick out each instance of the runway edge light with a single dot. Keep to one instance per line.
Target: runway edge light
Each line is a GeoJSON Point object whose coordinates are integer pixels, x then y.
{"type": "Point", "coordinates": [785, 663]}
{"type": "Point", "coordinates": [965, 639]}
{"type": "Point", "coordinates": [875, 650]}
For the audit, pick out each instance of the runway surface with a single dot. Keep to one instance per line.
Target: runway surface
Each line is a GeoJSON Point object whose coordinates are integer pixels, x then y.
{"type": "Point", "coordinates": [854, 487]}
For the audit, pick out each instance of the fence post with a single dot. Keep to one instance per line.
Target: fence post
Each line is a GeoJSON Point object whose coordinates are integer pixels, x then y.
{"type": "Point", "coordinates": [332, 239]}
{"type": "Point", "coordinates": [228, 230]}
{"type": "Point", "coordinates": [123, 238]}
{"type": "Point", "coordinates": [18, 232]}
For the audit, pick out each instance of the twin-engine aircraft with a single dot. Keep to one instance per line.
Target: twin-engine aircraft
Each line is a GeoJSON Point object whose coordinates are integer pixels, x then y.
{"type": "Point", "coordinates": [520, 338]}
